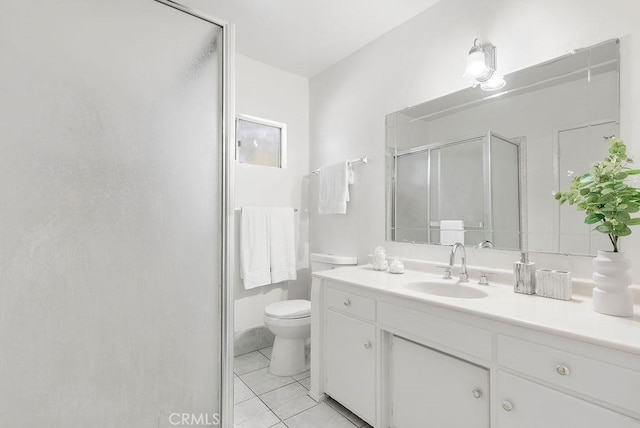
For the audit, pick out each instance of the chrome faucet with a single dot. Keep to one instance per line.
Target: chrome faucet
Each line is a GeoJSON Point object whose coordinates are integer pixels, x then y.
{"type": "Point", "coordinates": [464, 276]}
{"type": "Point", "coordinates": [485, 244]}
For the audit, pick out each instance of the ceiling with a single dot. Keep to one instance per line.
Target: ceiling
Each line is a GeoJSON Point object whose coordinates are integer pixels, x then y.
{"type": "Point", "coordinates": [307, 36]}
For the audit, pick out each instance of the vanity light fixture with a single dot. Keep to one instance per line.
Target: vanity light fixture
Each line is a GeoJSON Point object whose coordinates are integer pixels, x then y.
{"type": "Point", "coordinates": [481, 67]}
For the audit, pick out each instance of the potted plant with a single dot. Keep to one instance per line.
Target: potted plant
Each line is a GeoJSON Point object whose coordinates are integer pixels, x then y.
{"type": "Point", "coordinates": [610, 204]}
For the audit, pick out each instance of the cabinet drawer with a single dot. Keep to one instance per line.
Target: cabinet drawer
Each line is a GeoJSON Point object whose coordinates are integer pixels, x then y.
{"type": "Point", "coordinates": [352, 304]}
{"type": "Point", "coordinates": [437, 331]}
{"type": "Point", "coordinates": [525, 404]}
{"type": "Point", "coordinates": [603, 381]}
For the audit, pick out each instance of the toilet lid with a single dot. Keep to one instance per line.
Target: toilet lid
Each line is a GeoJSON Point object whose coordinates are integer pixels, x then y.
{"type": "Point", "coordinates": [289, 309]}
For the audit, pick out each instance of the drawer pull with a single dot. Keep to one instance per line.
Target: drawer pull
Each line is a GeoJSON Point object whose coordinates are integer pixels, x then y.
{"type": "Point", "coordinates": [476, 393]}
{"type": "Point", "coordinates": [562, 369]}
{"type": "Point", "coordinates": [367, 345]}
{"type": "Point", "coordinates": [347, 302]}
{"type": "Point", "coordinates": [507, 406]}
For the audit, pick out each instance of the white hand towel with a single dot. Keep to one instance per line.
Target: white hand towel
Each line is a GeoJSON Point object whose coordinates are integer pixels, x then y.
{"type": "Point", "coordinates": [334, 189]}
{"type": "Point", "coordinates": [282, 245]}
{"type": "Point", "coordinates": [451, 231]}
{"type": "Point", "coordinates": [254, 247]}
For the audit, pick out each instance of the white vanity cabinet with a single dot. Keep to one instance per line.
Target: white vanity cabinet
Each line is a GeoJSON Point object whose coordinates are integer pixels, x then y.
{"type": "Point", "coordinates": [429, 388]}
{"type": "Point", "coordinates": [350, 352]}
{"type": "Point", "coordinates": [400, 362]}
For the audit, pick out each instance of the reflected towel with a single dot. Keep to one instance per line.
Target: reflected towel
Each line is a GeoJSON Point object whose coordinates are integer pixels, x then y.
{"type": "Point", "coordinates": [334, 188]}
{"type": "Point", "coordinates": [282, 244]}
{"type": "Point", "coordinates": [254, 247]}
{"type": "Point", "coordinates": [451, 231]}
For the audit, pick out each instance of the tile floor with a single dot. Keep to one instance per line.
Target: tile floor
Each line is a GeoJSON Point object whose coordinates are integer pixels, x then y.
{"type": "Point", "coordinates": [263, 400]}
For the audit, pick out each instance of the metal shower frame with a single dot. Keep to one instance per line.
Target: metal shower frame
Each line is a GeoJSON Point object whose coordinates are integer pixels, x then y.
{"type": "Point", "coordinates": [225, 399]}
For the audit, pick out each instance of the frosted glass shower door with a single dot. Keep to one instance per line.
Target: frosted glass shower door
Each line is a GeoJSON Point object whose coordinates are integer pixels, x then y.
{"type": "Point", "coordinates": [110, 214]}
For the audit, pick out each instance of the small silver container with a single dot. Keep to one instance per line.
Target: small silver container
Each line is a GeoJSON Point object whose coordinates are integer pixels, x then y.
{"type": "Point", "coordinates": [555, 284]}
{"type": "Point", "coordinates": [525, 278]}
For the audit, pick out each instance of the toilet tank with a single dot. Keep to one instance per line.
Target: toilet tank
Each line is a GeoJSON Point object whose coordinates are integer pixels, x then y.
{"type": "Point", "coordinates": [320, 261]}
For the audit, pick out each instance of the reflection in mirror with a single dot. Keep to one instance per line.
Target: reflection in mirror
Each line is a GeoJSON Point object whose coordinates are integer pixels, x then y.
{"type": "Point", "coordinates": [472, 166]}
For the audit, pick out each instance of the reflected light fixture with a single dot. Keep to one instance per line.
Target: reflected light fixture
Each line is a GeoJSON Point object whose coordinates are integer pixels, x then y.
{"type": "Point", "coordinates": [481, 67]}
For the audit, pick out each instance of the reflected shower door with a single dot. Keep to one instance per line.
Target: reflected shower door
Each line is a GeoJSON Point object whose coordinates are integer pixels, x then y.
{"type": "Point", "coordinates": [110, 218]}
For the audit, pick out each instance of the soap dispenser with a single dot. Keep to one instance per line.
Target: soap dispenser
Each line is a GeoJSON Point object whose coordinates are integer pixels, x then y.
{"type": "Point", "coordinates": [524, 273]}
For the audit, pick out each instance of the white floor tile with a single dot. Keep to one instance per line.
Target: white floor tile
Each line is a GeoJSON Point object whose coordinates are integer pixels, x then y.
{"type": "Point", "coordinates": [241, 392]}
{"type": "Point", "coordinates": [288, 400]}
{"type": "Point", "coordinates": [249, 362]}
{"type": "Point", "coordinates": [248, 409]}
{"type": "Point", "coordinates": [293, 407]}
{"type": "Point", "coordinates": [320, 416]}
{"type": "Point", "coordinates": [261, 381]}
{"type": "Point", "coordinates": [302, 375]}
{"type": "Point", "coordinates": [282, 395]}
{"type": "Point", "coordinates": [267, 351]}
{"type": "Point", "coordinates": [306, 383]}
{"type": "Point", "coordinates": [263, 420]}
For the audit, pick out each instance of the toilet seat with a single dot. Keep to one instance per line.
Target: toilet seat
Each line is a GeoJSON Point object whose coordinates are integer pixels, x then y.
{"type": "Point", "coordinates": [289, 309]}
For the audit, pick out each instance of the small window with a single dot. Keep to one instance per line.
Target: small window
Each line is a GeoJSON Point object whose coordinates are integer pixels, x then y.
{"type": "Point", "coordinates": [260, 141]}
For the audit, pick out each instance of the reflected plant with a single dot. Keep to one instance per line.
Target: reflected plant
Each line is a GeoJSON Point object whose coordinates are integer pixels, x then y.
{"type": "Point", "coordinates": [605, 196]}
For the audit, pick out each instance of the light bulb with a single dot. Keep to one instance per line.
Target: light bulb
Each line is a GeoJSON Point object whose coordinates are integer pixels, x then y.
{"type": "Point", "coordinates": [476, 65]}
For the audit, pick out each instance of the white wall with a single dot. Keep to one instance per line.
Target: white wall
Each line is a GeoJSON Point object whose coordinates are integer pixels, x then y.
{"type": "Point", "coordinates": [424, 59]}
{"type": "Point", "coordinates": [270, 93]}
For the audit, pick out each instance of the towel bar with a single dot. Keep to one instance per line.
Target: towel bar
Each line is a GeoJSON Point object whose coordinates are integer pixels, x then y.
{"type": "Point", "coordinates": [295, 210]}
{"type": "Point", "coordinates": [359, 160]}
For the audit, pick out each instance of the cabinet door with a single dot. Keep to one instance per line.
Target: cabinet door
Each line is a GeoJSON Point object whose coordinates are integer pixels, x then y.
{"type": "Point", "coordinates": [350, 364]}
{"type": "Point", "coordinates": [524, 404]}
{"type": "Point", "coordinates": [432, 389]}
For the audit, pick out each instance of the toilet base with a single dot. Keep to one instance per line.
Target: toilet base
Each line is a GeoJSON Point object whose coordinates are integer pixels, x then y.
{"type": "Point", "coordinates": [288, 357]}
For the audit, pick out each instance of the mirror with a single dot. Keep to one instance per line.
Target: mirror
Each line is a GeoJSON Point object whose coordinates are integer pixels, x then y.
{"type": "Point", "coordinates": [480, 167]}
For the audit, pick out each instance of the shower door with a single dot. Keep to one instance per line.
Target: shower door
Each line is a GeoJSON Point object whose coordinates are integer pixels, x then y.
{"type": "Point", "coordinates": [111, 198]}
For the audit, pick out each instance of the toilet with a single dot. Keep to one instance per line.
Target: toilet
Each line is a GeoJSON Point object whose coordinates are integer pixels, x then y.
{"type": "Point", "coordinates": [290, 322]}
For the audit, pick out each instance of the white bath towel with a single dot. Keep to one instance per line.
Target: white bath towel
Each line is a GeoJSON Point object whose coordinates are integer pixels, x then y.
{"type": "Point", "coordinates": [334, 188]}
{"type": "Point", "coordinates": [255, 247]}
{"type": "Point", "coordinates": [282, 244]}
{"type": "Point", "coordinates": [451, 231]}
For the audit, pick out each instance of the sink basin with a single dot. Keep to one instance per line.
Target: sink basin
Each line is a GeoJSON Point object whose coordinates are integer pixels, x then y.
{"type": "Point", "coordinates": [446, 289]}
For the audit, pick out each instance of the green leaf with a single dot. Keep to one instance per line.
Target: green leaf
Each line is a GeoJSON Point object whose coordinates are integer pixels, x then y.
{"type": "Point", "coordinates": [587, 178]}
{"type": "Point", "coordinates": [622, 216]}
{"type": "Point", "coordinates": [634, 222]}
{"type": "Point", "coordinates": [624, 231]}
{"type": "Point", "coordinates": [607, 191]}
{"type": "Point", "coordinates": [593, 218]}
{"type": "Point", "coordinates": [632, 208]}
{"type": "Point", "coordinates": [605, 227]}
{"type": "Point", "coordinates": [633, 171]}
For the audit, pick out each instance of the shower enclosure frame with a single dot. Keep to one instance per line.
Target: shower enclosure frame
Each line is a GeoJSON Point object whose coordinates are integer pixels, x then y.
{"type": "Point", "coordinates": [225, 404]}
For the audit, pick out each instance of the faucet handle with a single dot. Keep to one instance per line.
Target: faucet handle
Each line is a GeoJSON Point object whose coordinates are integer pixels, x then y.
{"type": "Point", "coordinates": [484, 277]}
{"type": "Point", "coordinates": [447, 271]}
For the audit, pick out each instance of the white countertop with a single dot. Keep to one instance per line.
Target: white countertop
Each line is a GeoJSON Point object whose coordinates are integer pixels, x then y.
{"type": "Point", "coordinates": [574, 319]}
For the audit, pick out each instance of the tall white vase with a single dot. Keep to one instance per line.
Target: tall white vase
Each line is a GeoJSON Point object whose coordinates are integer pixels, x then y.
{"type": "Point", "coordinates": [612, 296]}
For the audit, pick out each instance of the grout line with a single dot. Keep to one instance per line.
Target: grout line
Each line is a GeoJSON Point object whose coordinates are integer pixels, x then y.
{"type": "Point", "coordinates": [267, 406]}
{"type": "Point", "coordinates": [302, 411]}
{"type": "Point", "coordinates": [254, 394]}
